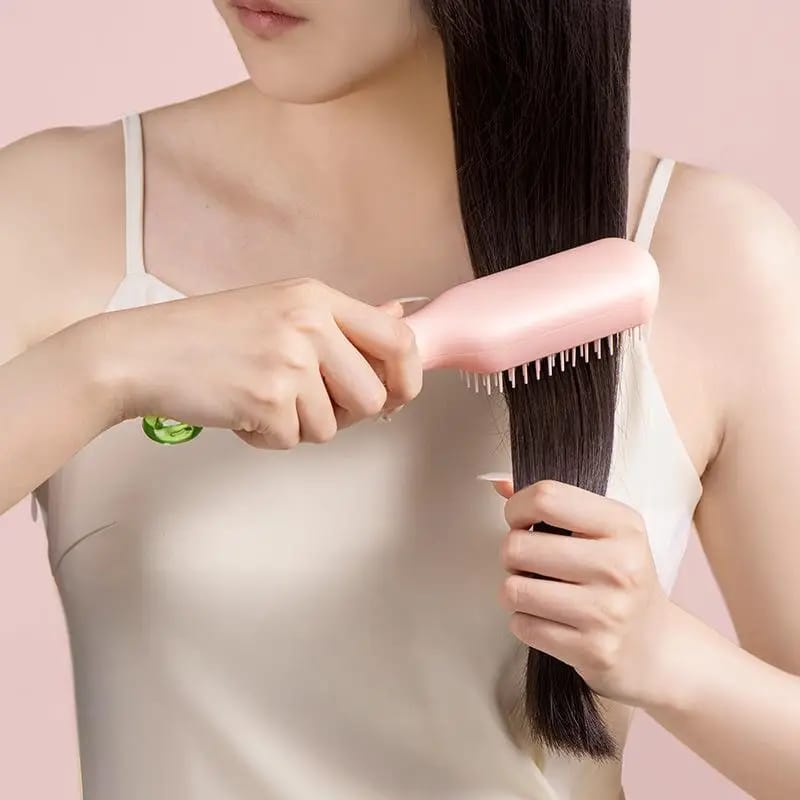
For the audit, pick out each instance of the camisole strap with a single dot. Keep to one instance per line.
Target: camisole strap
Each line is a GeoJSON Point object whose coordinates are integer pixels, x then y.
{"type": "Point", "coordinates": [134, 218]}
{"type": "Point", "coordinates": [653, 202]}
{"type": "Point", "coordinates": [134, 195]}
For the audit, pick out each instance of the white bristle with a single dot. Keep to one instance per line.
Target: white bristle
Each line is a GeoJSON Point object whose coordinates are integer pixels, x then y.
{"type": "Point", "coordinates": [568, 357]}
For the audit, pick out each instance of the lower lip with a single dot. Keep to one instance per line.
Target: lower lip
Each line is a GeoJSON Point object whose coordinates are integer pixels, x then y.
{"type": "Point", "coordinates": [265, 24]}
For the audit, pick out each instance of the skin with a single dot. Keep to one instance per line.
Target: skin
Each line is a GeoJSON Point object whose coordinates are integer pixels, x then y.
{"type": "Point", "coordinates": [285, 177]}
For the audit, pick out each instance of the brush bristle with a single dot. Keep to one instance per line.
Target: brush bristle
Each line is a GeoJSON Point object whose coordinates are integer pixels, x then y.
{"type": "Point", "coordinates": [566, 358]}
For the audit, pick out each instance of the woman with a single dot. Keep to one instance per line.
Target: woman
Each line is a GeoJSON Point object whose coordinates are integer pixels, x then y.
{"type": "Point", "coordinates": [290, 621]}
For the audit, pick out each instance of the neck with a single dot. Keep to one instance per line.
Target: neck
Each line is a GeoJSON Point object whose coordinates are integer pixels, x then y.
{"type": "Point", "coordinates": [393, 131]}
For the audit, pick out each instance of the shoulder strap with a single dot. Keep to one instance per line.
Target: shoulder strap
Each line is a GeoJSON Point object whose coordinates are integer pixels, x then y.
{"type": "Point", "coordinates": [653, 202]}
{"type": "Point", "coordinates": [656, 193]}
{"type": "Point", "coordinates": [134, 195]}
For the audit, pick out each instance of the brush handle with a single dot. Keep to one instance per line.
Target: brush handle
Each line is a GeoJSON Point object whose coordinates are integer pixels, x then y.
{"type": "Point", "coordinates": [538, 309]}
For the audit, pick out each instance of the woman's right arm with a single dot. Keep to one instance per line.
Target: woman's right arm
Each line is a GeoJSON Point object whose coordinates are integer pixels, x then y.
{"type": "Point", "coordinates": [280, 363]}
{"type": "Point", "coordinates": [49, 406]}
{"type": "Point", "coordinates": [52, 402]}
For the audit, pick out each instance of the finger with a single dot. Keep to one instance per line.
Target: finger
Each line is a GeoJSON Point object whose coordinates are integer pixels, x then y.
{"type": "Point", "coordinates": [282, 432]}
{"type": "Point", "coordinates": [253, 439]}
{"type": "Point", "coordinates": [560, 641]}
{"type": "Point", "coordinates": [568, 507]}
{"type": "Point", "coordinates": [564, 558]}
{"type": "Point", "coordinates": [350, 380]}
{"type": "Point", "coordinates": [402, 376]}
{"type": "Point", "coordinates": [501, 482]}
{"type": "Point", "coordinates": [566, 603]}
{"type": "Point", "coordinates": [393, 308]}
{"type": "Point", "coordinates": [345, 418]}
{"type": "Point", "coordinates": [315, 411]}
{"type": "Point", "coordinates": [372, 330]}
{"type": "Point", "coordinates": [397, 306]}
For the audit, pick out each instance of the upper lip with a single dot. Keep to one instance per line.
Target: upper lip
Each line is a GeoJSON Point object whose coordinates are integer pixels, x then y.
{"type": "Point", "coordinates": [264, 7]}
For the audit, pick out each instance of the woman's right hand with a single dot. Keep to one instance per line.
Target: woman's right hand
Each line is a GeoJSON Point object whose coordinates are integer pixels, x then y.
{"type": "Point", "coordinates": [278, 363]}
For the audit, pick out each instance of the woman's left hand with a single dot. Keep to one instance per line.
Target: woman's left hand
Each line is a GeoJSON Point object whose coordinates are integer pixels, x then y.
{"type": "Point", "coordinates": [606, 614]}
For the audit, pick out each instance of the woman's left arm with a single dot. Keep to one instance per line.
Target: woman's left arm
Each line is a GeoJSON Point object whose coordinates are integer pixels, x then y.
{"type": "Point", "coordinates": [736, 707]}
{"type": "Point", "coordinates": [741, 707]}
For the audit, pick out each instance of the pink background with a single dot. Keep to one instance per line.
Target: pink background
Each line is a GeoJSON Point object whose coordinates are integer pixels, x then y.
{"type": "Point", "coordinates": [714, 83]}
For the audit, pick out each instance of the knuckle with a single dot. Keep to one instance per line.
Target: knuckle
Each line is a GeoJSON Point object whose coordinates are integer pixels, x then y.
{"type": "Point", "coordinates": [408, 390]}
{"type": "Point", "coordinates": [611, 611]}
{"type": "Point", "coordinates": [251, 439]}
{"type": "Point", "coordinates": [247, 425]}
{"type": "Point", "coordinates": [544, 495]}
{"type": "Point", "coordinates": [284, 438]}
{"type": "Point", "coordinates": [514, 591]}
{"type": "Point", "coordinates": [273, 392]}
{"type": "Point", "coordinates": [323, 433]}
{"type": "Point", "coordinates": [627, 571]}
{"type": "Point", "coordinates": [511, 550]}
{"type": "Point", "coordinates": [602, 653]}
{"type": "Point", "coordinates": [372, 402]}
{"type": "Point", "coordinates": [307, 319]}
{"type": "Point", "coordinates": [293, 354]}
{"type": "Point", "coordinates": [403, 341]}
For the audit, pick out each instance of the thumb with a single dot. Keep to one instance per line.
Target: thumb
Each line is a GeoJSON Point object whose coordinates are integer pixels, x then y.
{"type": "Point", "coordinates": [396, 307]}
{"type": "Point", "coordinates": [502, 482]}
{"type": "Point", "coordinates": [393, 307]}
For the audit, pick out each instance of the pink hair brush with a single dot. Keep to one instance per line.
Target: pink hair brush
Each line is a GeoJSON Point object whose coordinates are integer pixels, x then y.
{"type": "Point", "coordinates": [554, 309]}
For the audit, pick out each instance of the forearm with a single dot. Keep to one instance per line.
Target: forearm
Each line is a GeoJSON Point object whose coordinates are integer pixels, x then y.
{"type": "Point", "coordinates": [54, 398]}
{"type": "Point", "coordinates": [738, 713]}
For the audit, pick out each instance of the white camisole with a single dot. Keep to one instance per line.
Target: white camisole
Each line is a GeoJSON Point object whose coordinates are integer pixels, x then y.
{"type": "Point", "coordinates": [321, 622]}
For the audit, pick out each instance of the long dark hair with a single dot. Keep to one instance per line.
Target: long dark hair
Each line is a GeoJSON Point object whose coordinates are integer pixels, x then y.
{"type": "Point", "coordinates": [539, 97]}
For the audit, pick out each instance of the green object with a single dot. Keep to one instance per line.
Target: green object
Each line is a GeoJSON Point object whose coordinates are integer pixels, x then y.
{"type": "Point", "coordinates": [169, 431]}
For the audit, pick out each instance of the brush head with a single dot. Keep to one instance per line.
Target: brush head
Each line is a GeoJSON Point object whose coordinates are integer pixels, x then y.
{"type": "Point", "coordinates": [537, 310]}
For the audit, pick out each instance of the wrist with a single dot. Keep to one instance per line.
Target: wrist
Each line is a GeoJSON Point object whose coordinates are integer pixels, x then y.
{"type": "Point", "coordinates": [94, 344]}
{"type": "Point", "coordinates": [687, 663]}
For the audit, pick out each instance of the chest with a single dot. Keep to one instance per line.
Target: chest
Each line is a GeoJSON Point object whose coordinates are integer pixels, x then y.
{"type": "Point", "coordinates": [203, 234]}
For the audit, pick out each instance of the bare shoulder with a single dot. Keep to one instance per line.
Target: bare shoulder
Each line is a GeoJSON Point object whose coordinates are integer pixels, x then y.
{"type": "Point", "coordinates": [730, 265]}
{"type": "Point", "coordinates": [61, 201]}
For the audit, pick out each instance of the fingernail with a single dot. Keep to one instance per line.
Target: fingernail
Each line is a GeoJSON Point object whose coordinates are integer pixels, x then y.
{"type": "Point", "coordinates": [411, 299]}
{"type": "Point", "coordinates": [495, 476]}
{"type": "Point", "coordinates": [386, 416]}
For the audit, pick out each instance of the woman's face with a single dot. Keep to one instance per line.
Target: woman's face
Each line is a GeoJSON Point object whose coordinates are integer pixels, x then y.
{"type": "Point", "coordinates": [322, 49]}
